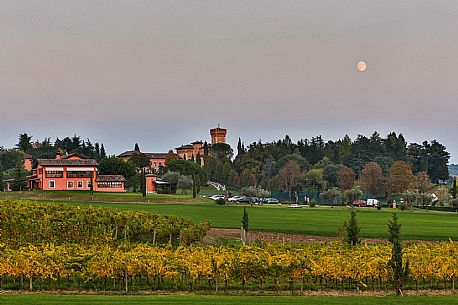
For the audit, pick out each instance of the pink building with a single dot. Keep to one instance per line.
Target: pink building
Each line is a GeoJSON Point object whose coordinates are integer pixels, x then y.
{"type": "Point", "coordinates": [72, 173]}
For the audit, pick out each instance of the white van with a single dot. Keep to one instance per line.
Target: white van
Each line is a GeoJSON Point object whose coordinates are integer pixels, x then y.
{"type": "Point", "coordinates": [372, 202]}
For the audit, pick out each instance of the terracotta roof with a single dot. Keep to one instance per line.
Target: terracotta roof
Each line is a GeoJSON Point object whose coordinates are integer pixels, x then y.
{"type": "Point", "coordinates": [67, 162]}
{"type": "Point", "coordinates": [110, 178]}
{"type": "Point", "coordinates": [156, 155]}
{"type": "Point", "coordinates": [188, 146]}
{"type": "Point", "coordinates": [129, 153]}
{"type": "Point", "coordinates": [126, 154]}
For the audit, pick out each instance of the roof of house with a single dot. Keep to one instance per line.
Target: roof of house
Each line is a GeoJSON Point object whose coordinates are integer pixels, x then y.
{"type": "Point", "coordinates": [67, 162]}
{"type": "Point", "coordinates": [129, 153]}
{"type": "Point", "coordinates": [187, 146]}
{"type": "Point", "coordinates": [110, 178]}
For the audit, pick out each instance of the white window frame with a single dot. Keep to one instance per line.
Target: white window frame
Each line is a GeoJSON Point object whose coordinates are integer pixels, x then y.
{"type": "Point", "coordinates": [68, 185]}
{"type": "Point", "coordinates": [77, 184]}
{"type": "Point", "coordinates": [53, 182]}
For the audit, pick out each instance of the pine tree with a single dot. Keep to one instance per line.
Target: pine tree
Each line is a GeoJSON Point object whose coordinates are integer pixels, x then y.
{"type": "Point", "coordinates": [352, 230]}
{"type": "Point", "coordinates": [136, 148]}
{"type": "Point", "coordinates": [399, 270]}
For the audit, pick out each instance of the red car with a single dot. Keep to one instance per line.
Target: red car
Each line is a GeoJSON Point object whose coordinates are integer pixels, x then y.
{"type": "Point", "coordinates": [360, 203]}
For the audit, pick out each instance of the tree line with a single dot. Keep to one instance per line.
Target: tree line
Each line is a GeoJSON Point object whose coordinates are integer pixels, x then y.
{"type": "Point", "coordinates": [380, 166]}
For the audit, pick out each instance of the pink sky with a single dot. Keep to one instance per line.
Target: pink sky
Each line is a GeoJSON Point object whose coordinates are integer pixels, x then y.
{"type": "Point", "coordinates": [162, 73]}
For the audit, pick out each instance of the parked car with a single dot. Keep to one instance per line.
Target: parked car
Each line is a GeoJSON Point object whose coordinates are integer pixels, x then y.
{"type": "Point", "coordinates": [360, 203]}
{"type": "Point", "coordinates": [244, 199]}
{"type": "Point", "coordinates": [272, 200]}
{"type": "Point", "coordinates": [235, 198]}
{"type": "Point", "coordinates": [217, 196]}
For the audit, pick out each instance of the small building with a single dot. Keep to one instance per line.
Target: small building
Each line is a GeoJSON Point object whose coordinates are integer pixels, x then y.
{"type": "Point", "coordinates": [190, 151]}
{"type": "Point", "coordinates": [28, 162]}
{"type": "Point", "coordinates": [110, 183]}
{"type": "Point", "coordinates": [157, 160]}
{"type": "Point", "coordinates": [156, 186]}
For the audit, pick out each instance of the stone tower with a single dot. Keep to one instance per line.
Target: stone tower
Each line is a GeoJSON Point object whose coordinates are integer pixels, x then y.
{"type": "Point", "coordinates": [218, 135]}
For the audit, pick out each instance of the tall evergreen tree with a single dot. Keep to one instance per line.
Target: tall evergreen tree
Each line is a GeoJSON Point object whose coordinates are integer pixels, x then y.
{"type": "Point", "coordinates": [143, 183]}
{"type": "Point", "coordinates": [240, 148]}
{"type": "Point", "coordinates": [198, 159]}
{"type": "Point", "coordinates": [103, 155]}
{"type": "Point", "coordinates": [245, 223]}
{"type": "Point", "coordinates": [453, 190]}
{"type": "Point", "coordinates": [24, 142]}
{"type": "Point", "coordinates": [2, 179]}
{"type": "Point", "coordinates": [352, 230]}
{"type": "Point", "coordinates": [205, 149]}
{"type": "Point", "coordinates": [137, 148]}
{"type": "Point", "coordinates": [399, 270]}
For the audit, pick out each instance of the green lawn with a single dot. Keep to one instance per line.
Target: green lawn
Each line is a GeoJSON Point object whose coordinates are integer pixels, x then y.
{"type": "Point", "coordinates": [324, 221]}
{"type": "Point", "coordinates": [36, 299]}
{"type": "Point", "coordinates": [85, 196]}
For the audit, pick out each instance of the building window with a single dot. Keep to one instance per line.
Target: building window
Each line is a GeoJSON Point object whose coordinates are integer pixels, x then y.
{"type": "Point", "coordinates": [160, 164]}
{"type": "Point", "coordinates": [88, 184]}
{"type": "Point", "coordinates": [79, 184]}
{"type": "Point", "coordinates": [69, 184]}
{"type": "Point", "coordinates": [52, 184]}
{"type": "Point", "coordinates": [54, 174]}
{"type": "Point", "coordinates": [155, 164]}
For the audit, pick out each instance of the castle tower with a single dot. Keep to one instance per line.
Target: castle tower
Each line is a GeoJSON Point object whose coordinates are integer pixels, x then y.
{"type": "Point", "coordinates": [218, 135]}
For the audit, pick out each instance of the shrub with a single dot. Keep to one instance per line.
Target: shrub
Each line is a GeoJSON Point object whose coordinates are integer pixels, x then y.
{"type": "Point", "coordinates": [220, 201]}
{"type": "Point", "coordinates": [313, 203]}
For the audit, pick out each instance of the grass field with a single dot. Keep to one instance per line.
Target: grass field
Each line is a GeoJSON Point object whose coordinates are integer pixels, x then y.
{"type": "Point", "coordinates": [36, 299]}
{"type": "Point", "coordinates": [323, 221]}
{"type": "Point", "coordinates": [84, 196]}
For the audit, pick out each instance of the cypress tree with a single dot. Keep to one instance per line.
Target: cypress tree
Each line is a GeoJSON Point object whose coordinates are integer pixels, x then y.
{"type": "Point", "coordinates": [205, 149]}
{"type": "Point", "coordinates": [198, 159]}
{"type": "Point", "coordinates": [91, 190]}
{"type": "Point", "coordinates": [454, 191]}
{"type": "Point", "coordinates": [244, 225]}
{"type": "Point", "coordinates": [103, 155]}
{"type": "Point", "coordinates": [2, 179]}
{"type": "Point", "coordinates": [352, 229]}
{"type": "Point", "coordinates": [194, 186]}
{"type": "Point", "coordinates": [143, 183]}
{"type": "Point", "coordinates": [399, 270]}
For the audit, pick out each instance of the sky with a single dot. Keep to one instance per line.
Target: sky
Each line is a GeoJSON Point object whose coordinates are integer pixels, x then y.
{"type": "Point", "coordinates": [162, 73]}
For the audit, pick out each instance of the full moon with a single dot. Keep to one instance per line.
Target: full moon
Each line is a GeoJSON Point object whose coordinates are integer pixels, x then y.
{"type": "Point", "coordinates": [361, 66]}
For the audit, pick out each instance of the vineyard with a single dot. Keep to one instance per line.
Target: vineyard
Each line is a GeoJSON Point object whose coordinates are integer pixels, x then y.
{"type": "Point", "coordinates": [270, 267]}
{"type": "Point", "coordinates": [61, 247]}
{"type": "Point", "coordinates": [28, 222]}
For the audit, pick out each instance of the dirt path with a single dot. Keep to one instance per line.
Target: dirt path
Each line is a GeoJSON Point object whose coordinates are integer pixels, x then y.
{"type": "Point", "coordinates": [277, 237]}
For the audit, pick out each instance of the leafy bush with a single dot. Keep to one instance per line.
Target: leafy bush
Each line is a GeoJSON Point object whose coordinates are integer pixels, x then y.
{"type": "Point", "coordinates": [313, 203]}
{"type": "Point", "coordinates": [253, 191]}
